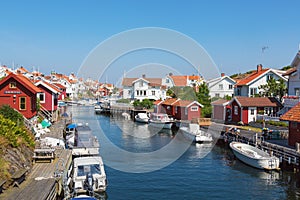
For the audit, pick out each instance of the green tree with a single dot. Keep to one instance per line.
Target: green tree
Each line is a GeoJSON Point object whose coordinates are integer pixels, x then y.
{"type": "Point", "coordinates": [146, 103]}
{"type": "Point", "coordinates": [286, 68]}
{"type": "Point", "coordinates": [274, 88]}
{"type": "Point", "coordinates": [184, 93]}
{"type": "Point", "coordinates": [204, 99]}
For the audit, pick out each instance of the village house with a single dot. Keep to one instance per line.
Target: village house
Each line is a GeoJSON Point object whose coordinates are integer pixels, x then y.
{"type": "Point", "coordinates": [62, 91]}
{"type": "Point", "coordinates": [182, 80]}
{"type": "Point", "coordinates": [293, 117]}
{"type": "Point", "coordinates": [19, 93]}
{"type": "Point", "coordinates": [48, 100]}
{"type": "Point", "coordinates": [143, 88]}
{"type": "Point", "coordinates": [247, 109]}
{"type": "Point", "coordinates": [221, 87]}
{"type": "Point", "coordinates": [293, 85]}
{"type": "Point", "coordinates": [249, 86]}
{"type": "Point", "coordinates": [179, 109]}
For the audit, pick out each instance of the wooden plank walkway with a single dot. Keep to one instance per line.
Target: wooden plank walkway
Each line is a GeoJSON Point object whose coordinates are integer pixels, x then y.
{"type": "Point", "coordinates": [44, 180]}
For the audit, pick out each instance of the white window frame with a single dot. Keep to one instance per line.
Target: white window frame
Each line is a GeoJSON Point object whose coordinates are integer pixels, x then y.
{"type": "Point", "coordinates": [42, 94]}
{"type": "Point", "coordinates": [194, 108]}
{"type": "Point", "coordinates": [236, 110]}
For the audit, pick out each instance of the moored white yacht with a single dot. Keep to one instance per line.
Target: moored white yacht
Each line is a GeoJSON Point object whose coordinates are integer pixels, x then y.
{"type": "Point", "coordinates": [142, 118]}
{"type": "Point", "coordinates": [160, 120]}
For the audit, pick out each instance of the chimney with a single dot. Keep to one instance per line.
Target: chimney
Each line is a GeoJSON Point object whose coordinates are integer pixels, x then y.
{"type": "Point", "coordinates": [144, 76]}
{"type": "Point", "coordinates": [170, 74]}
{"type": "Point", "coordinates": [222, 74]}
{"type": "Point", "coordinates": [259, 67]}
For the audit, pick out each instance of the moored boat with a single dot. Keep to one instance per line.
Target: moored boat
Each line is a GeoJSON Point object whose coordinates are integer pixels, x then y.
{"type": "Point", "coordinates": [161, 120]}
{"type": "Point", "coordinates": [142, 118]}
{"type": "Point", "coordinates": [254, 157]}
{"type": "Point", "coordinates": [88, 175]}
{"type": "Point", "coordinates": [194, 134]}
{"type": "Point", "coordinates": [98, 109]}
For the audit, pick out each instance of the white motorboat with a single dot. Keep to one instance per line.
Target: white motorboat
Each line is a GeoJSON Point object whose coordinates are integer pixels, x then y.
{"type": "Point", "coordinates": [160, 120]}
{"type": "Point", "coordinates": [254, 157]}
{"type": "Point", "coordinates": [88, 175]}
{"type": "Point", "coordinates": [142, 118]}
{"type": "Point", "coordinates": [85, 143]}
{"type": "Point", "coordinates": [98, 109]}
{"type": "Point", "coordinates": [194, 134]}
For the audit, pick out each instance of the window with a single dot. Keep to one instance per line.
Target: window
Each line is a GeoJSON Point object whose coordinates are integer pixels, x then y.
{"type": "Point", "coordinates": [42, 97]}
{"type": "Point", "coordinates": [141, 84]}
{"type": "Point", "coordinates": [12, 85]}
{"type": "Point", "coordinates": [144, 92]}
{"type": "Point", "coordinates": [176, 109]}
{"type": "Point", "coordinates": [220, 86]}
{"type": "Point", "coordinates": [194, 108]}
{"type": "Point", "coordinates": [297, 91]}
{"type": "Point", "coordinates": [217, 95]}
{"type": "Point", "coordinates": [230, 87]}
{"type": "Point", "coordinates": [129, 92]}
{"type": "Point", "coordinates": [167, 80]}
{"type": "Point", "coordinates": [153, 92]}
{"type": "Point", "coordinates": [294, 124]}
{"type": "Point", "coordinates": [185, 111]}
{"type": "Point", "coordinates": [22, 103]}
{"type": "Point", "coordinates": [238, 91]}
{"type": "Point", "coordinates": [253, 91]}
{"type": "Point", "coordinates": [236, 112]}
{"type": "Point", "coordinates": [137, 93]}
{"type": "Point", "coordinates": [252, 112]}
{"type": "Point", "coordinates": [168, 107]}
{"type": "Point", "coordinates": [269, 76]}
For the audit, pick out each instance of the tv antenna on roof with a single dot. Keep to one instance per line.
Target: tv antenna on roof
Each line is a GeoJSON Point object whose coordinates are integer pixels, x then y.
{"type": "Point", "coordinates": [264, 48]}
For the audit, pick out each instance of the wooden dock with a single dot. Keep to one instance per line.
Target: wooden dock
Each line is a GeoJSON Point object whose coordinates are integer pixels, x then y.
{"type": "Point", "coordinates": [44, 182]}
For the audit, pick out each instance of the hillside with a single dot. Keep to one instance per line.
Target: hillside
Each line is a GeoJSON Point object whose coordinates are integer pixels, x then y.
{"type": "Point", "coordinates": [16, 144]}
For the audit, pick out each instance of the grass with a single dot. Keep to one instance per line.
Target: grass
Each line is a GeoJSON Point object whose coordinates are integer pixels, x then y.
{"type": "Point", "coordinates": [250, 128]}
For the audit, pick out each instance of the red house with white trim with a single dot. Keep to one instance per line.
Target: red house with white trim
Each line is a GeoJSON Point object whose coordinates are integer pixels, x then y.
{"type": "Point", "coordinates": [62, 91]}
{"type": "Point", "coordinates": [19, 93]}
{"type": "Point", "coordinates": [245, 109]}
{"type": "Point", "coordinates": [179, 109]}
{"type": "Point", "coordinates": [293, 117]}
{"type": "Point", "coordinates": [187, 110]}
{"type": "Point", "coordinates": [49, 96]}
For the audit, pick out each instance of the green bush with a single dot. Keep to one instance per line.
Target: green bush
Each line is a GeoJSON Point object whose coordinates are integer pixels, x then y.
{"type": "Point", "coordinates": [123, 101]}
{"type": "Point", "coordinates": [9, 113]}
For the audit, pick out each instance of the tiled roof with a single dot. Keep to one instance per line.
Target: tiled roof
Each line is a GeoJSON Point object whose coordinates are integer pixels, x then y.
{"type": "Point", "coordinates": [258, 101]}
{"type": "Point", "coordinates": [157, 102]}
{"type": "Point", "coordinates": [290, 71]}
{"type": "Point", "coordinates": [49, 86]}
{"type": "Point", "coordinates": [170, 101]}
{"type": "Point", "coordinates": [59, 85]}
{"type": "Point", "coordinates": [154, 81]}
{"type": "Point", "coordinates": [179, 80]}
{"type": "Point", "coordinates": [185, 103]}
{"type": "Point", "coordinates": [293, 114]}
{"type": "Point", "coordinates": [24, 81]}
{"type": "Point", "coordinates": [22, 70]}
{"type": "Point", "coordinates": [219, 102]}
{"type": "Point", "coordinates": [251, 77]}
{"type": "Point", "coordinates": [194, 77]}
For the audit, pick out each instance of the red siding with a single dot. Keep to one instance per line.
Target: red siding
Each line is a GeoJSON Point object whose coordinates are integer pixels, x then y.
{"type": "Point", "coordinates": [294, 133]}
{"type": "Point", "coordinates": [181, 114]}
{"type": "Point", "coordinates": [235, 118]}
{"type": "Point", "coordinates": [11, 96]}
{"type": "Point", "coordinates": [49, 99]}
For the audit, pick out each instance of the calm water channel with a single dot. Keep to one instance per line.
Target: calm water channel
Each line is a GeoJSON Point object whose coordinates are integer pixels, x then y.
{"type": "Point", "coordinates": [218, 175]}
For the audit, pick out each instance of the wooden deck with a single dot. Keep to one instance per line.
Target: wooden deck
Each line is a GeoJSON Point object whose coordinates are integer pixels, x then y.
{"type": "Point", "coordinates": [44, 180]}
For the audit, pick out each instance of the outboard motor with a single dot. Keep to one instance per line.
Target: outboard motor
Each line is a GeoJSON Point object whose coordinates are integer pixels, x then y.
{"type": "Point", "coordinates": [88, 183]}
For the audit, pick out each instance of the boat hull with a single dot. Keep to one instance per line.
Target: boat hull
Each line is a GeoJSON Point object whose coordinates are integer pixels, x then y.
{"type": "Point", "coordinates": [254, 156]}
{"type": "Point", "coordinates": [140, 120]}
{"type": "Point", "coordinates": [166, 125]}
{"type": "Point", "coordinates": [198, 138]}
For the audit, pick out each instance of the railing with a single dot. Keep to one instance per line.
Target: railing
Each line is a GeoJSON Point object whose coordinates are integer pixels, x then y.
{"type": "Point", "coordinates": [45, 113]}
{"type": "Point", "coordinates": [267, 118]}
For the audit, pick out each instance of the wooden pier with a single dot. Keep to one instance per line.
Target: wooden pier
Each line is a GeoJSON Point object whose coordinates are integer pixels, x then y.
{"type": "Point", "coordinates": [45, 180]}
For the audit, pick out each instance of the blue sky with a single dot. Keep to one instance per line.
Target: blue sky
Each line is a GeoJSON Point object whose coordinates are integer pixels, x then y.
{"type": "Point", "coordinates": [58, 35]}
